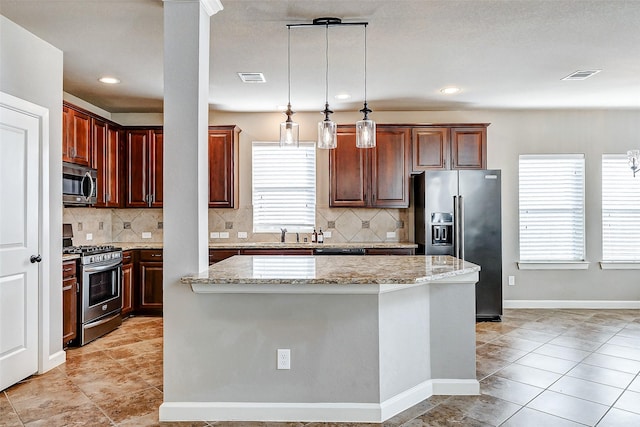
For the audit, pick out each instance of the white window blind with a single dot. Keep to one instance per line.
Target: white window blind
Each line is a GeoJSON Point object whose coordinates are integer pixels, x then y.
{"type": "Point", "coordinates": [620, 210]}
{"type": "Point", "coordinates": [552, 207]}
{"type": "Point", "coordinates": [284, 187]}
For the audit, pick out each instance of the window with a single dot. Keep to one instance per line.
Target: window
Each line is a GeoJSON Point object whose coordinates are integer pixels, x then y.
{"type": "Point", "coordinates": [620, 210]}
{"type": "Point", "coordinates": [284, 187]}
{"type": "Point", "coordinates": [552, 207]}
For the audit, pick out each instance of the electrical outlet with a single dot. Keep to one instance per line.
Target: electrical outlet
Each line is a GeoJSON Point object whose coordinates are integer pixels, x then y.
{"type": "Point", "coordinates": [214, 235]}
{"type": "Point", "coordinates": [224, 234]}
{"type": "Point", "coordinates": [89, 236]}
{"type": "Point", "coordinates": [146, 234]}
{"type": "Point", "coordinates": [391, 234]}
{"type": "Point", "coordinates": [327, 234]}
{"type": "Point", "coordinates": [512, 280]}
{"type": "Point", "coordinates": [284, 358]}
{"type": "Point", "coordinates": [242, 234]}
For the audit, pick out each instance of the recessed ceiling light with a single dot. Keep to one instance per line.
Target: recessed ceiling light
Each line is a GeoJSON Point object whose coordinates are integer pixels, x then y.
{"type": "Point", "coordinates": [109, 80]}
{"type": "Point", "coordinates": [581, 75]}
{"type": "Point", "coordinates": [252, 77]}
{"type": "Point", "coordinates": [450, 90]}
{"type": "Point", "coordinates": [342, 96]}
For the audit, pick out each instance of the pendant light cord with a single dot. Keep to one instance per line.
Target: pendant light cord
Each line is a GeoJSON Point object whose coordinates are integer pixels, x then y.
{"type": "Point", "coordinates": [365, 63]}
{"type": "Point", "coordinates": [289, 63]}
{"type": "Point", "coordinates": [326, 75]}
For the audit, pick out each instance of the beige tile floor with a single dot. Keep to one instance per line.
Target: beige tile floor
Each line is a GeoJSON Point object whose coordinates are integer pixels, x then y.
{"type": "Point", "coordinates": [536, 368]}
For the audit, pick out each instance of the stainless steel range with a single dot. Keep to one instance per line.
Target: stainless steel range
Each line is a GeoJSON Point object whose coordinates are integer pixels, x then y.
{"type": "Point", "coordinates": [100, 299]}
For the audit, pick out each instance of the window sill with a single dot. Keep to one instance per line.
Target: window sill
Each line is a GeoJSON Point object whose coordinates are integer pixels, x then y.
{"type": "Point", "coordinates": [620, 265]}
{"type": "Point", "coordinates": [553, 265]}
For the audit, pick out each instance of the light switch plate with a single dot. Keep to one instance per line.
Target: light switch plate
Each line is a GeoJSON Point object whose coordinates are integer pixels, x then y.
{"type": "Point", "coordinates": [242, 234]}
{"type": "Point", "coordinates": [391, 234]}
{"type": "Point", "coordinates": [214, 235]}
{"type": "Point", "coordinates": [327, 234]}
{"type": "Point", "coordinates": [89, 236]}
{"type": "Point", "coordinates": [224, 234]}
{"type": "Point", "coordinates": [146, 234]}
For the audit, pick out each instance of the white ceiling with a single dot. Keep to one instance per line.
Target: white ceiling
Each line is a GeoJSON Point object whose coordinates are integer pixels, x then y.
{"type": "Point", "coordinates": [503, 53]}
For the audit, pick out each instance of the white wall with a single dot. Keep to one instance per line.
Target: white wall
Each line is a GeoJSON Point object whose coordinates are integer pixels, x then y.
{"type": "Point", "coordinates": [31, 69]}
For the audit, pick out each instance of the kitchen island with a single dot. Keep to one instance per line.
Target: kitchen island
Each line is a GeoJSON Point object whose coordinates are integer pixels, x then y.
{"type": "Point", "coordinates": [368, 337]}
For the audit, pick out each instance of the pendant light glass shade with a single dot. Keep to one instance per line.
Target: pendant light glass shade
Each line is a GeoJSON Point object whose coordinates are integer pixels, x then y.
{"type": "Point", "coordinates": [327, 129]}
{"type": "Point", "coordinates": [365, 133]}
{"type": "Point", "coordinates": [289, 130]}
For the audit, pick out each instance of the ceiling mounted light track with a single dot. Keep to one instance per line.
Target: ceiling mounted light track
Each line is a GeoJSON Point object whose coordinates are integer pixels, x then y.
{"type": "Point", "coordinates": [327, 129]}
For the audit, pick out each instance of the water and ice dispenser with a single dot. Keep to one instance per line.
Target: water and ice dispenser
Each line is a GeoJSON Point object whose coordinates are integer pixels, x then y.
{"type": "Point", "coordinates": [442, 228]}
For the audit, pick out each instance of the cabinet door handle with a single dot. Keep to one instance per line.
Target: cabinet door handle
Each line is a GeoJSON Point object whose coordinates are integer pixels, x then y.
{"type": "Point", "coordinates": [156, 255]}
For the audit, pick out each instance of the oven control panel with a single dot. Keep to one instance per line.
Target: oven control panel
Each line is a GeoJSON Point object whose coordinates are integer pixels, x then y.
{"type": "Point", "coordinates": [91, 259]}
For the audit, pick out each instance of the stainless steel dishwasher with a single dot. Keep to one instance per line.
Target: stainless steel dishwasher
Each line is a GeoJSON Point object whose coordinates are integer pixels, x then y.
{"type": "Point", "coordinates": [338, 251]}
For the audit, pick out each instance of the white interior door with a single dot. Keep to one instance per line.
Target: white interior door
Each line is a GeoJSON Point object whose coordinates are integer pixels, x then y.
{"type": "Point", "coordinates": [20, 135]}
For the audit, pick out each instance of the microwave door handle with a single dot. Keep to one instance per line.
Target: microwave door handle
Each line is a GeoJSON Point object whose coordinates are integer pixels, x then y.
{"type": "Point", "coordinates": [92, 185]}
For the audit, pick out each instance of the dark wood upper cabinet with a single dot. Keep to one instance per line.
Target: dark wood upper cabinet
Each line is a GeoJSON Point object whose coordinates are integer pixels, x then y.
{"type": "Point", "coordinates": [106, 148]}
{"type": "Point", "coordinates": [430, 148]}
{"type": "Point", "coordinates": [143, 168]}
{"type": "Point", "coordinates": [371, 177]}
{"type": "Point", "coordinates": [390, 168]}
{"type": "Point", "coordinates": [469, 148]}
{"type": "Point", "coordinates": [444, 147]}
{"type": "Point", "coordinates": [76, 136]}
{"type": "Point", "coordinates": [223, 166]}
{"type": "Point", "coordinates": [348, 171]}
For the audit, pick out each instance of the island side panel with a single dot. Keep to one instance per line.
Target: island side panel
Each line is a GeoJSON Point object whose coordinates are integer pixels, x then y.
{"type": "Point", "coordinates": [404, 340]}
{"type": "Point", "coordinates": [333, 341]}
{"type": "Point", "coordinates": [453, 336]}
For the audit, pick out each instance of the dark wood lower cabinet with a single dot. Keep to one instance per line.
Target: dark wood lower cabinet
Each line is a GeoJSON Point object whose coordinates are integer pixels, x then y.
{"type": "Point", "coordinates": [127, 283]}
{"type": "Point", "coordinates": [390, 251]}
{"type": "Point", "coordinates": [149, 298]}
{"type": "Point", "coordinates": [69, 302]}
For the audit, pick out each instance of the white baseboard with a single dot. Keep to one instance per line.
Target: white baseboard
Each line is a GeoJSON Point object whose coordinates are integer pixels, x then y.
{"type": "Point", "coordinates": [55, 359]}
{"type": "Point", "coordinates": [585, 304]}
{"type": "Point", "coordinates": [314, 412]}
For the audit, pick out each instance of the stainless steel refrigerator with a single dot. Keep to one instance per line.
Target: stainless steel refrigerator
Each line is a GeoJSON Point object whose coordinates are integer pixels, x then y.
{"type": "Point", "coordinates": [458, 213]}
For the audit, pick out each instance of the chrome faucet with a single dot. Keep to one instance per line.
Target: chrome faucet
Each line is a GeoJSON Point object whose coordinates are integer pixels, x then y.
{"type": "Point", "coordinates": [283, 231]}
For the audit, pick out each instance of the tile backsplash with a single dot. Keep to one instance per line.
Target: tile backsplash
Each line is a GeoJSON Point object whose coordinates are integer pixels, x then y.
{"type": "Point", "coordinates": [98, 226]}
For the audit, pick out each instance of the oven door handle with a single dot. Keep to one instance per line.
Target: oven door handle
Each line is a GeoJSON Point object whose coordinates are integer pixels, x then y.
{"type": "Point", "coordinates": [97, 269]}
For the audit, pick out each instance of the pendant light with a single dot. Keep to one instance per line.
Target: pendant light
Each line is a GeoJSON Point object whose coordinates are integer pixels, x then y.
{"type": "Point", "coordinates": [289, 130]}
{"type": "Point", "coordinates": [327, 129]}
{"type": "Point", "coordinates": [365, 128]}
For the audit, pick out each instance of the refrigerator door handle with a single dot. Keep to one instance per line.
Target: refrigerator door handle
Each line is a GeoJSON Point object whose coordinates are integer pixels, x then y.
{"type": "Point", "coordinates": [461, 226]}
{"type": "Point", "coordinates": [456, 227]}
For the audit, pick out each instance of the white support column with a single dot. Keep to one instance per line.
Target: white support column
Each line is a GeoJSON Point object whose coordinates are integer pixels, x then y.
{"type": "Point", "coordinates": [185, 213]}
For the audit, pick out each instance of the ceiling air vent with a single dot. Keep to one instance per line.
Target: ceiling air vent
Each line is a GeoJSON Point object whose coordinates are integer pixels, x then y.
{"type": "Point", "coordinates": [581, 75]}
{"type": "Point", "coordinates": [252, 77]}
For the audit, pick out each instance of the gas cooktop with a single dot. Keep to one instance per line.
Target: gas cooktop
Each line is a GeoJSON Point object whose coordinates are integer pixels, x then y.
{"type": "Point", "coordinates": [89, 249]}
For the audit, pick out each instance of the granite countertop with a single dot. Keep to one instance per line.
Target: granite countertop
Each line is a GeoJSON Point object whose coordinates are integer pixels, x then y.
{"type": "Point", "coordinates": [276, 245]}
{"type": "Point", "coordinates": [327, 270]}
{"type": "Point", "coordinates": [69, 257]}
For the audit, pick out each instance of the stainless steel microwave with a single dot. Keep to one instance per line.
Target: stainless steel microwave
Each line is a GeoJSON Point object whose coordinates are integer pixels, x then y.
{"type": "Point", "coordinates": [79, 185]}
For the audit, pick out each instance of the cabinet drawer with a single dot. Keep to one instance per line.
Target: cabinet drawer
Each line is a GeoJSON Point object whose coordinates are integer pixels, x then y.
{"type": "Point", "coordinates": [127, 257]}
{"type": "Point", "coordinates": [68, 269]}
{"type": "Point", "coordinates": [151, 255]}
